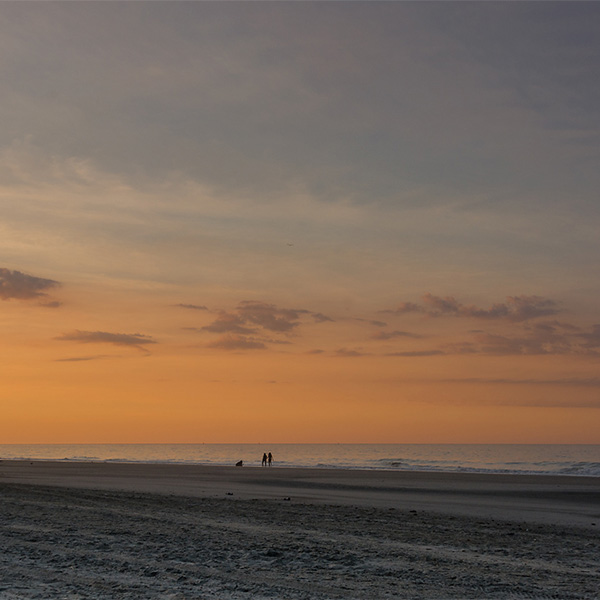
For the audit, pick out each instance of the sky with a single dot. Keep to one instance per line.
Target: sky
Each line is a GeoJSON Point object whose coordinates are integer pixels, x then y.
{"type": "Point", "coordinates": [299, 222]}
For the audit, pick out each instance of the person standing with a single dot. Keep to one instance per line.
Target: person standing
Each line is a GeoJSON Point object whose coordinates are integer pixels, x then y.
{"type": "Point", "coordinates": [264, 460]}
{"type": "Point", "coordinates": [270, 458]}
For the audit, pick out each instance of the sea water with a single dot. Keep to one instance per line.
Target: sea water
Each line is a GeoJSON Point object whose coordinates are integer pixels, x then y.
{"type": "Point", "coordinates": [476, 458]}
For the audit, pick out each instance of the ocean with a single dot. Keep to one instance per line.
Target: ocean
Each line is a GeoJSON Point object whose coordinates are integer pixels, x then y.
{"type": "Point", "coordinates": [583, 460]}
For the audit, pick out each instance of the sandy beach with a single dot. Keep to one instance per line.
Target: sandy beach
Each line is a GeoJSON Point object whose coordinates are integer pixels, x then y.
{"type": "Point", "coordinates": [107, 530]}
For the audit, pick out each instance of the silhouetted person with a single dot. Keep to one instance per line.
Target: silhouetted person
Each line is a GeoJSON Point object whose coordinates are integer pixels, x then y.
{"type": "Point", "coordinates": [264, 461]}
{"type": "Point", "coordinates": [270, 458]}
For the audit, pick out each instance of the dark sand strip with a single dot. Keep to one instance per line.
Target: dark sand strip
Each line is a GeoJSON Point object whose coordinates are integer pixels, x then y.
{"type": "Point", "coordinates": [536, 498]}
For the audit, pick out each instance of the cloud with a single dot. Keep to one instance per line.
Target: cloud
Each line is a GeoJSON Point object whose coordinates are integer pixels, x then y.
{"type": "Point", "coordinates": [237, 342]}
{"type": "Point", "coordinates": [438, 305]}
{"type": "Point", "coordinates": [20, 286]}
{"type": "Point", "coordinates": [522, 308]}
{"type": "Point", "coordinates": [565, 381]}
{"type": "Point", "coordinates": [133, 340]}
{"type": "Point", "coordinates": [405, 307]}
{"type": "Point", "coordinates": [546, 337]}
{"type": "Point", "coordinates": [82, 358]}
{"type": "Point", "coordinates": [592, 339]}
{"type": "Point", "coordinates": [527, 335]}
{"type": "Point", "coordinates": [504, 345]}
{"type": "Point", "coordinates": [417, 353]}
{"type": "Point", "coordinates": [532, 338]}
{"type": "Point", "coordinates": [321, 318]}
{"type": "Point", "coordinates": [388, 335]}
{"type": "Point", "coordinates": [229, 323]}
{"type": "Point", "coordinates": [192, 306]}
{"type": "Point", "coordinates": [378, 323]}
{"type": "Point", "coordinates": [345, 352]}
{"type": "Point", "coordinates": [461, 348]}
{"type": "Point", "coordinates": [375, 323]}
{"type": "Point", "coordinates": [258, 315]}
{"type": "Point", "coordinates": [269, 316]}
{"type": "Point", "coordinates": [52, 304]}
{"type": "Point", "coordinates": [275, 341]}
{"type": "Point", "coordinates": [515, 308]}
{"type": "Point", "coordinates": [553, 326]}
{"type": "Point", "coordinates": [251, 318]}
{"type": "Point", "coordinates": [339, 73]}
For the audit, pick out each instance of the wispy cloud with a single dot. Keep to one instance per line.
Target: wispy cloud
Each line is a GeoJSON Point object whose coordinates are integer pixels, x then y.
{"type": "Point", "coordinates": [133, 340]}
{"type": "Point", "coordinates": [565, 381]}
{"type": "Point", "coordinates": [373, 322]}
{"type": "Point", "coordinates": [82, 358]}
{"type": "Point", "coordinates": [417, 353]}
{"type": "Point", "coordinates": [515, 308]}
{"type": "Point", "coordinates": [192, 306]}
{"type": "Point", "coordinates": [228, 322]}
{"type": "Point", "coordinates": [269, 316]}
{"type": "Point", "coordinates": [51, 304]}
{"type": "Point", "coordinates": [389, 335]}
{"type": "Point", "coordinates": [537, 338]}
{"type": "Point", "coordinates": [526, 330]}
{"type": "Point", "coordinates": [347, 352]}
{"type": "Point", "coordinates": [461, 348]}
{"type": "Point", "coordinates": [502, 344]}
{"type": "Point", "coordinates": [546, 337]}
{"type": "Point", "coordinates": [260, 321]}
{"type": "Point", "coordinates": [321, 318]}
{"type": "Point", "coordinates": [591, 339]}
{"type": "Point", "coordinates": [21, 286]}
{"type": "Point", "coordinates": [237, 342]}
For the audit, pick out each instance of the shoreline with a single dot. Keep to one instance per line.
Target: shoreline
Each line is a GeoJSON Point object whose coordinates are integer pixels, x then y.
{"type": "Point", "coordinates": [551, 499]}
{"type": "Point", "coordinates": [320, 467]}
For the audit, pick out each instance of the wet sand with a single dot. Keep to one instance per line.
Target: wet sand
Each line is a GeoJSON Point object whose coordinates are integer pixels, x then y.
{"type": "Point", "coordinates": [106, 530]}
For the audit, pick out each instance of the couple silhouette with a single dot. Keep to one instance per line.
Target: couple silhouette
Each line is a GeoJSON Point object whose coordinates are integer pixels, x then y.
{"type": "Point", "coordinates": [267, 459]}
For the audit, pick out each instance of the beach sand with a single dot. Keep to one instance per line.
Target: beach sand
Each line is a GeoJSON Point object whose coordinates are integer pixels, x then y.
{"type": "Point", "coordinates": [105, 530]}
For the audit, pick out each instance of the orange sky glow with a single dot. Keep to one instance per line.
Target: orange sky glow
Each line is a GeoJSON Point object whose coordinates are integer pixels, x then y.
{"type": "Point", "coordinates": [299, 222]}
